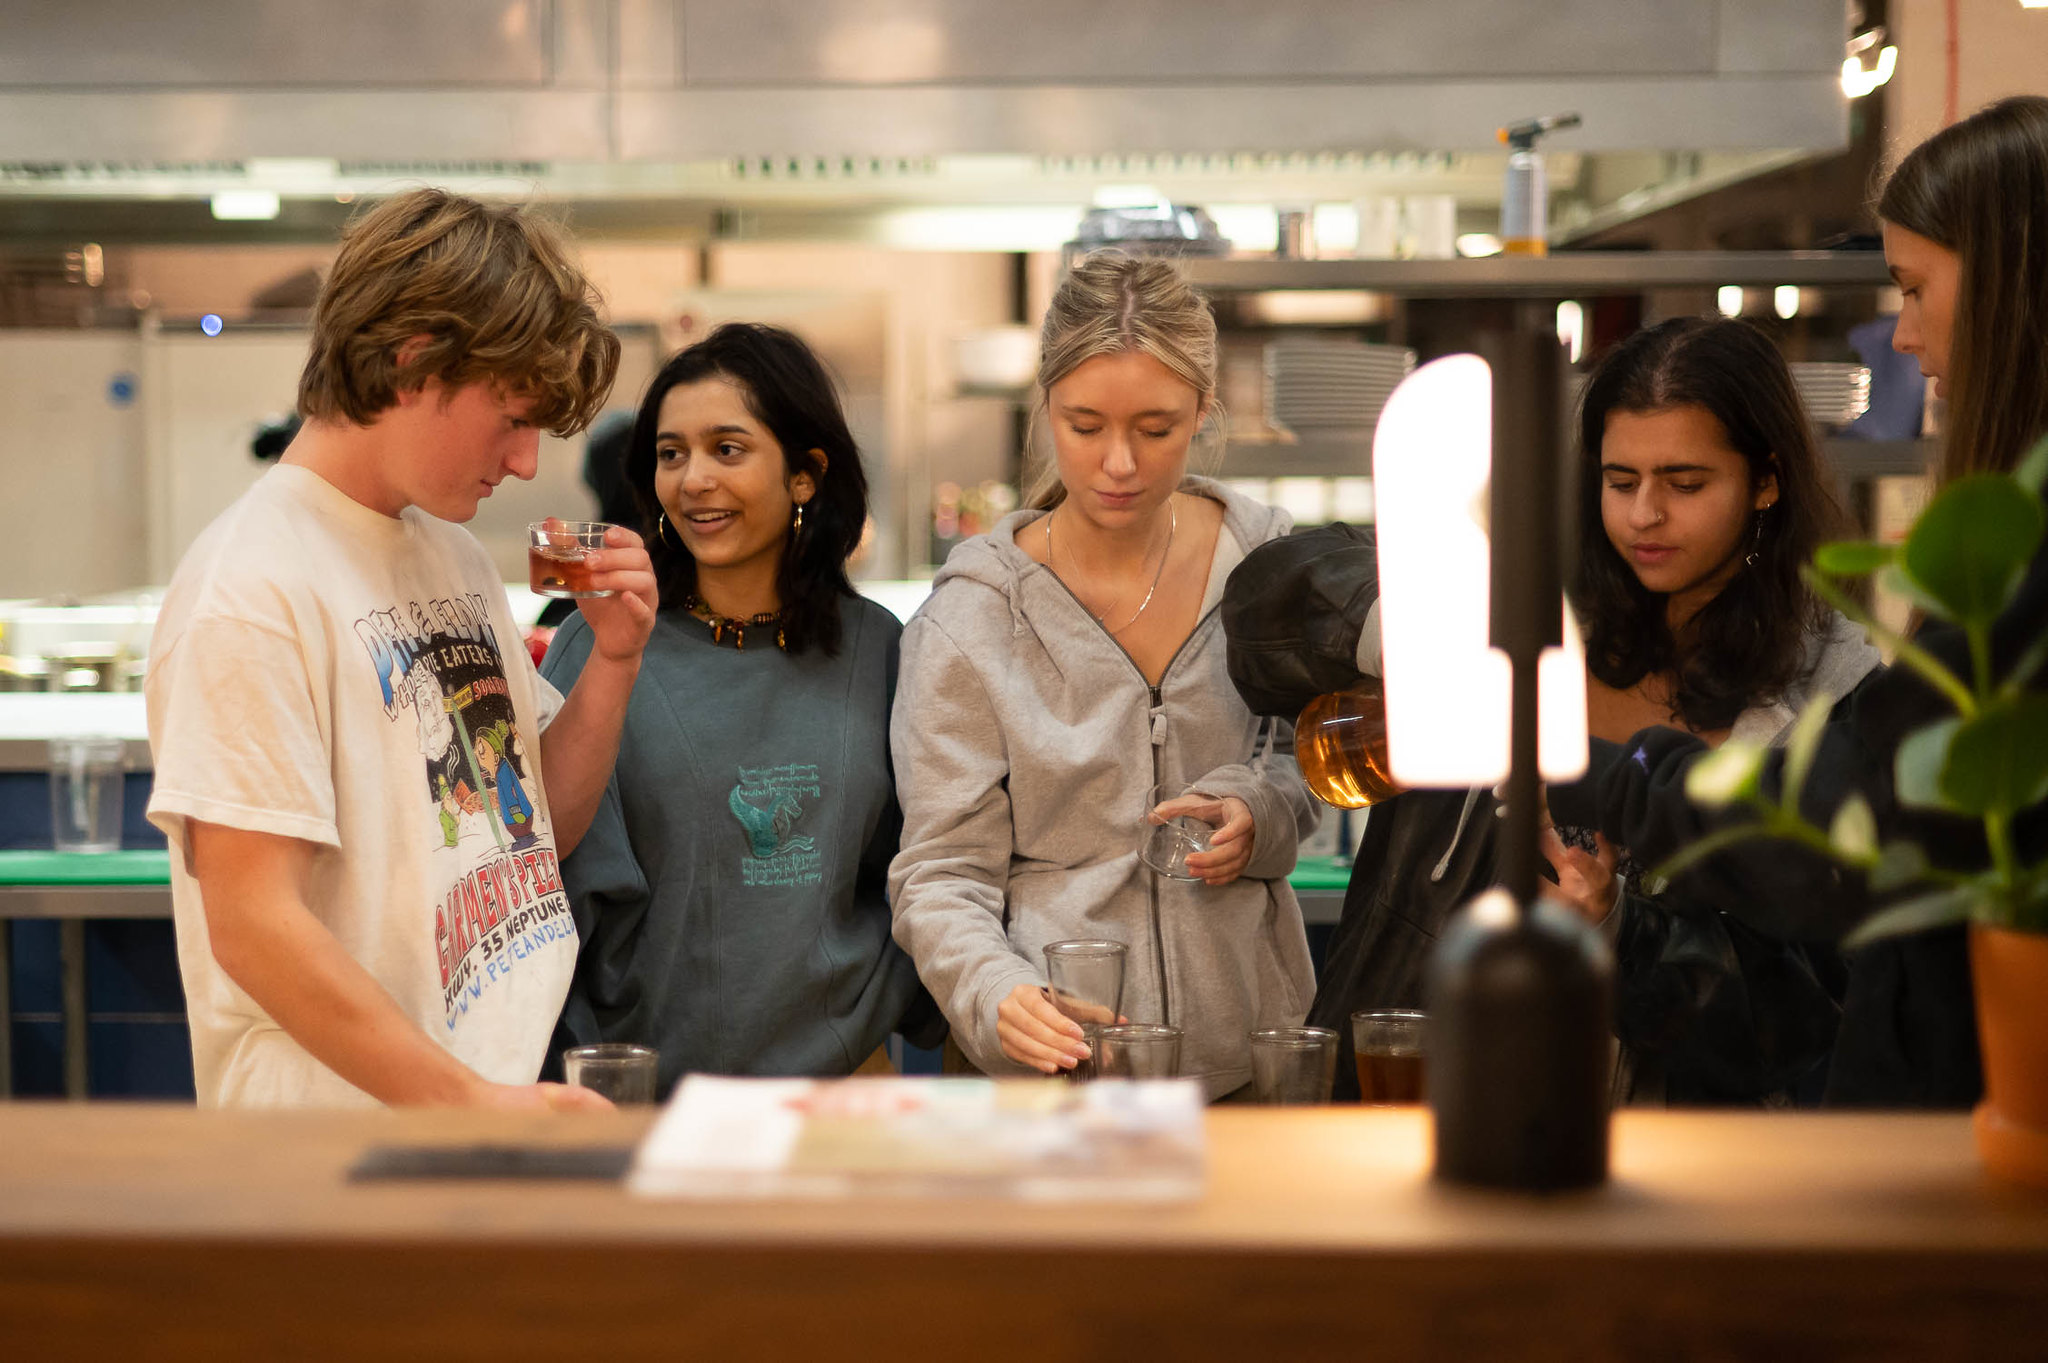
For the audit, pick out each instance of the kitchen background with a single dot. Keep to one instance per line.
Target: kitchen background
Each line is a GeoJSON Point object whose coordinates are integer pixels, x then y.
{"type": "Point", "coordinates": [900, 181]}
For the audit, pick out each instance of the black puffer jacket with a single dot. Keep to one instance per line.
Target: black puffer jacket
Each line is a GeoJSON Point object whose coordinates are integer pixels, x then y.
{"type": "Point", "coordinates": [1908, 1035]}
{"type": "Point", "coordinates": [1711, 1011]}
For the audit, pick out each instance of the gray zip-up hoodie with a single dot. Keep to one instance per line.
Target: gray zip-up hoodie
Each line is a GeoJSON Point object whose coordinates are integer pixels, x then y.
{"type": "Point", "coordinates": [1025, 742]}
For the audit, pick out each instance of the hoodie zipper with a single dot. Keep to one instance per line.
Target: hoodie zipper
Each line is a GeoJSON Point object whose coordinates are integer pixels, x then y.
{"type": "Point", "coordinates": [1153, 734]}
{"type": "Point", "coordinates": [1153, 716]}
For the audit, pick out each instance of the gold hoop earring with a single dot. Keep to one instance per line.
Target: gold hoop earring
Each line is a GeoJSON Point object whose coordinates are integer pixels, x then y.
{"type": "Point", "coordinates": [798, 527]}
{"type": "Point", "coordinates": [661, 526]}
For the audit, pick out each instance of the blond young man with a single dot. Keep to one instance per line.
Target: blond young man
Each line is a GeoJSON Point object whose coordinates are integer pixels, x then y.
{"type": "Point", "coordinates": [363, 914]}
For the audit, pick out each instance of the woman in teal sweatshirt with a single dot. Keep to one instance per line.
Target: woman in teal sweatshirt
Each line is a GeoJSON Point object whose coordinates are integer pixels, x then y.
{"type": "Point", "coordinates": [730, 893]}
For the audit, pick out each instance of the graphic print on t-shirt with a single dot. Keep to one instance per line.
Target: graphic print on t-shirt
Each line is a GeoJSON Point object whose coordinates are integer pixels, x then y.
{"type": "Point", "coordinates": [440, 671]}
{"type": "Point", "coordinates": [769, 803]}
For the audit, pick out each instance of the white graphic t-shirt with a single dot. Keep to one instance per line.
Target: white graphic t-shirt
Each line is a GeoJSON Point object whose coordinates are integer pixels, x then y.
{"type": "Point", "coordinates": [324, 672]}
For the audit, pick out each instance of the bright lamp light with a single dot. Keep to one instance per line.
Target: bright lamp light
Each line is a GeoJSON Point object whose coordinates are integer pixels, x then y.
{"type": "Point", "coordinates": [1447, 688]}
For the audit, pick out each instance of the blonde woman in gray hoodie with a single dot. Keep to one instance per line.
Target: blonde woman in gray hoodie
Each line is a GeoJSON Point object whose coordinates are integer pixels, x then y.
{"type": "Point", "coordinates": [1066, 663]}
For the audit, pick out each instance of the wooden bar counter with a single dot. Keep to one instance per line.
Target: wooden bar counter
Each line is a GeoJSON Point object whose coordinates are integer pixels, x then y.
{"type": "Point", "coordinates": [132, 1233]}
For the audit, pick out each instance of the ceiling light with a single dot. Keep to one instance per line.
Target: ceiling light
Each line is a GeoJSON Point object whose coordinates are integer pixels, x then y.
{"type": "Point", "coordinates": [1728, 298]}
{"type": "Point", "coordinates": [245, 205]}
{"type": "Point", "coordinates": [1785, 301]}
{"type": "Point", "coordinates": [1127, 196]}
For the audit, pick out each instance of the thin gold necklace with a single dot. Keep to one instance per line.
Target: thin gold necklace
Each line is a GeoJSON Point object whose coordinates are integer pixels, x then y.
{"type": "Point", "coordinates": [1172, 525]}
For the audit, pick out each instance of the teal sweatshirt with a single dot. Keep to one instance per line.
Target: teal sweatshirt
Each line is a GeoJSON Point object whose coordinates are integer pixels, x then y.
{"type": "Point", "coordinates": [730, 893]}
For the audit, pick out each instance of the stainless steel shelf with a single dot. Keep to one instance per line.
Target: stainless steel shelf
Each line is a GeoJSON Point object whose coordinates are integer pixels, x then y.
{"type": "Point", "coordinates": [1306, 459]}
{"type": "Point", "coordinates": [1856, 461]}
{"type": "Point", "coordinates": [1568, 274]}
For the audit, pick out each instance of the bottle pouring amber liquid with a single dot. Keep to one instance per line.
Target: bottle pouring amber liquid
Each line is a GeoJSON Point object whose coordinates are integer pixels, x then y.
{"type": "Point", "coordinates": [1340, 741]}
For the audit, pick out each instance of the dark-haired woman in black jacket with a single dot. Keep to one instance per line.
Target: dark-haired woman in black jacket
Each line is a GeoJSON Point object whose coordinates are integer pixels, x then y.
{"type": "Point", "coordinates": [1962, 222]}
{"type": "Point", "coordinates": [1703, 493]}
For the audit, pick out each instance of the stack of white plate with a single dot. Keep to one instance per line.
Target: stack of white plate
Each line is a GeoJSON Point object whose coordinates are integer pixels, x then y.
{"type": "Point", "coordinates": [1833, 394]}
{"type": "Point", "coordinates": [1316, 386]}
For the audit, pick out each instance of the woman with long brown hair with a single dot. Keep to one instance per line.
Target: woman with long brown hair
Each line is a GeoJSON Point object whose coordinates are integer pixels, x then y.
{"type": "Point", "coordinates": [1962, 219]}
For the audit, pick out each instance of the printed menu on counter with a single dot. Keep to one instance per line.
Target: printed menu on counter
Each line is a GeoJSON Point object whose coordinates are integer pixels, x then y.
{"type": "Point", "coordinates": [1112, 1140]}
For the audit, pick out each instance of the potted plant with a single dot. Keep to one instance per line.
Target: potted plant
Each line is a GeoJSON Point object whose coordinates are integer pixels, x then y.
{"type": "Point", "coordinates": [1962, 562]}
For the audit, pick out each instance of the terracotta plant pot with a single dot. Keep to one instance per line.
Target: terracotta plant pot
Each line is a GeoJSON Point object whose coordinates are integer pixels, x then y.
{"type": "Point", "coordinates": [2011, 977]}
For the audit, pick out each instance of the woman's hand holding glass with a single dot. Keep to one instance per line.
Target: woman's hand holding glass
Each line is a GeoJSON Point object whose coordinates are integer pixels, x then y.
{"type": "Point", "coordinates": [1036, 1033]}
{"type": "Point", "coordinates": [1586, 882]}
{"type": "Point", "coordinates": [1230, 845]}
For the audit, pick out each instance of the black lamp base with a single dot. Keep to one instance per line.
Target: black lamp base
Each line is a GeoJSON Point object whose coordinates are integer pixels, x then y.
{"type": "Point", "coordinates": [1521, 1008]}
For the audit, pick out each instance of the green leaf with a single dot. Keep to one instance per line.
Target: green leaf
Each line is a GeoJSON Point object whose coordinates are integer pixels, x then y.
{"type": "Point", "coordinates": [1917, 915]}
{"type": "Point", "coordinates": [1895, 581]}
{"type": "Point", "coordinates": [1916, 772]}
{"type": "Point", "coordinates": [1854, 558]}
{"type": "Point", "coordinates": [1972, 543]}
{"type": "Point", "coordinates": [2032, 472]}
{"type": "Point", "coordinates": [1898, 865]}
{"type": "Point", "coordinates": [1725, 775]}
{"type": "Point", "coordinates": [1998, 759]}
{"type": "Point", "coordinates": [1853, 834]}
{"type": "Point", "coordinates": [1802, 744]}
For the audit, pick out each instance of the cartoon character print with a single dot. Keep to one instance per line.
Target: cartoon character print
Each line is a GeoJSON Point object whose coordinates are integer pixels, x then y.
{"type": "Point", "coordinates": [441, 660]}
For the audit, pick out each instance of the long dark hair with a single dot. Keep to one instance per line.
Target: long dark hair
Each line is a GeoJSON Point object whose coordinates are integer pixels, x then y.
{"type": "Point", "coordinates": [1750, 642]}
{"type": "Point", "coordinates": [1980, 188]}
{"type": "Point", "coordinates": [789, 392]}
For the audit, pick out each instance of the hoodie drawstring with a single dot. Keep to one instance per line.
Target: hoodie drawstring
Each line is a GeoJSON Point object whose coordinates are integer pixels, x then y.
{"type": "Point", "coordinates": [1471, 800]}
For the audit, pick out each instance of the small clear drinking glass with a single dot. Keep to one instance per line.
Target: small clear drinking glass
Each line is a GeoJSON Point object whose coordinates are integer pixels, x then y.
{"type": "Point", "coordinates": [557, 554]}
{"type": "Point", "coordinates": [1167, 846]}
{"type": "Point", "coordinates": [1294, 1064]}
{"type": "Point", "coordinates": [1086, 980]}
{"type": "Point", "coordinates": [88, 789]}
{"type": "Point", "coordinates": [1138, 1050]}
{"type": "Point", "coordinates": [621, 1072]}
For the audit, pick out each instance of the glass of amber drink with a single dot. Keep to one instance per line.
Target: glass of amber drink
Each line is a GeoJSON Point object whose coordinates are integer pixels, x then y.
{"type": "Point", "coordinates": [558, 556]}
{"type": "Point", "coordinates": [1388, 1046]}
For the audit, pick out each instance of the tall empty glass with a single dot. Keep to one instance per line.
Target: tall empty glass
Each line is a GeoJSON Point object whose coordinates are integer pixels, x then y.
{"type": "Point", "coordinates": [87, 776]}
{"type": "Point", "coordinates": [1294, 1064]}
{"type": "Point", "coordinates": [1138, 1050]}
{"type": "Point", "coordinates": [1087, 984]}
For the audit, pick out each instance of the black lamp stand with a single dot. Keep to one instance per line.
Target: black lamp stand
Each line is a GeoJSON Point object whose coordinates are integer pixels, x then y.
{"type": "Point", "coordinates": [1521, 994]}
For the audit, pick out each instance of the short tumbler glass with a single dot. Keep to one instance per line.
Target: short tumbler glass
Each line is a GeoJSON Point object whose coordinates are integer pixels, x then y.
{"type": "Point", "coordinates": [625, 1074]}
{"type": "Point", "coordinates": [1167, 846]}
{"type": "Point", "coordinates": [1138, 1050]}
{"type": "Point", "coordinates": [1294, 1064]}
{"type": "Point", "coordinates": [556, 557]}
{"type": "Point", "coordinates": [1388, 1047]}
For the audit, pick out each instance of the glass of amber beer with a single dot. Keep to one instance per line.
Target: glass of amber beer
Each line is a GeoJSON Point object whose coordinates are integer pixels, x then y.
{"type": "Point", "coordinates": [1388, 1046]}
{"type": "Point", "coordinates": [557, 556]}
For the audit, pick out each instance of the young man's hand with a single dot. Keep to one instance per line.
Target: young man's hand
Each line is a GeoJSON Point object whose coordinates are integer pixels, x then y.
{"type": "Point", "coordinates": [544, 1097]}
{"type": "Point", "coordinates": [621, 623]}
